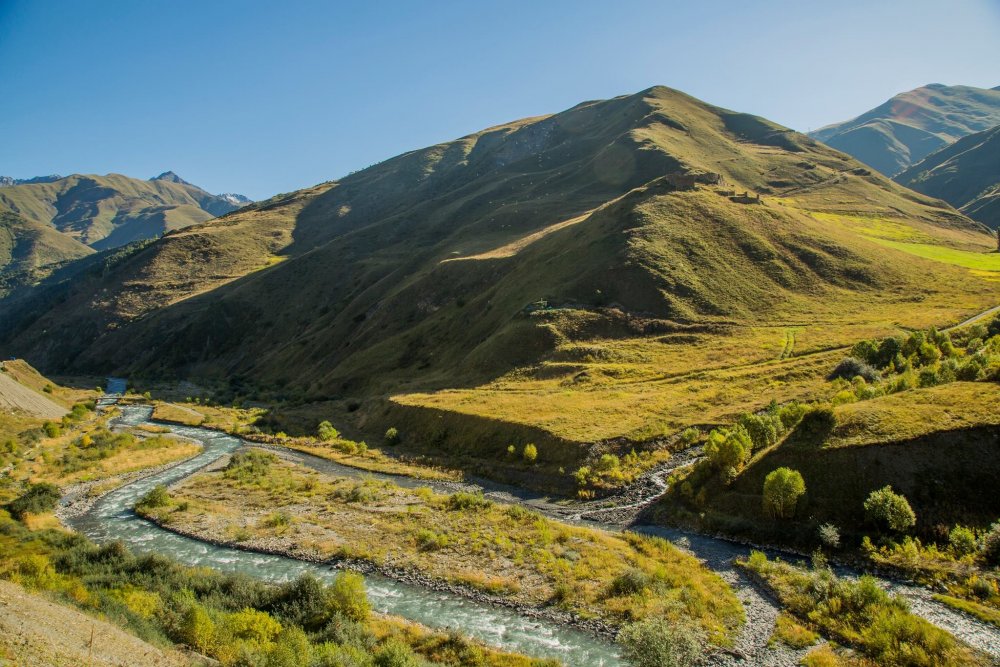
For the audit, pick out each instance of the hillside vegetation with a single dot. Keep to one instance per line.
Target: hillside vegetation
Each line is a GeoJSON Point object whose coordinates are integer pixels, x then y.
{"type": "Point", "coordinates": [965, 174]}
{"type": "Point", "coordinates": [47, 223]}
{"type": "Point", "coordinates": [914, 124]}
{"type": "Point", "coordinates": [593, 276]}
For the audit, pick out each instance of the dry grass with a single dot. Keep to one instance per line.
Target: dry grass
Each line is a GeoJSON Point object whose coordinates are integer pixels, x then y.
{"type": "Point", "coordinates": [501, 549]}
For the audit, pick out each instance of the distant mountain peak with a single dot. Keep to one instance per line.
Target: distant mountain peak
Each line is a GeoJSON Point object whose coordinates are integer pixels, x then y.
{"type": "Point", "coordinates": [9, 180]}
{"type": "Point", "coordinates": [171, 177]}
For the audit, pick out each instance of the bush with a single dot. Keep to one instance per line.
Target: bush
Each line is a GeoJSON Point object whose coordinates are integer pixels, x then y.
{"type": "Point", "coordinates": [782, 489]}
{"type": "Point", "coordinates": [762, 429]}
{"type": "Point", "coordinates": [249, 466]}
{"type": "Point", "coordinates": [690, 435]}
{"type": "Point", "coordinates": [852, 367]}
{"type": "Point", "coordinates": [728, 448]}
{"type": "Point", "coordinates": [326, 432]}
{"type": "Point", "coordinates": [829, 536]}
{"type": "Point", "coordinates": [38, 499]}
{"type": "Point", "coordinates": [889, 510]}
{"type": "Point", "coordinates": [962, 541]}
{"type": "Point", "coordinates": [394, 653]}
{"type": "Point", "coordinates": [348, 596]}
{"type": "Point", "coordinates": [656, 642]}
{"type": "Point", "coordinates": [391, 436]}
{"type": "Point", "coordinates": [156, 497]}
{"type": "Point", "coordinates": [630, 582]}
{"type": "Point", "coordinates": [990, 546]}
{"type": "Point", "coordinates": [467, 501]}
{"type": "Point", "coordinates": [530, 453]}
{"type": "Point", "coordinates": [52, 429]}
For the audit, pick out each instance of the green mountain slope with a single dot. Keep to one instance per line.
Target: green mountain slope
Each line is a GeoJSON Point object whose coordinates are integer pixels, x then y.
{"type": "Point", "coordinates": [965, 174]}
{"type": "Point", "coordinates": [912, 125]}
{"type": "Point", "coordinates": [549, 275]}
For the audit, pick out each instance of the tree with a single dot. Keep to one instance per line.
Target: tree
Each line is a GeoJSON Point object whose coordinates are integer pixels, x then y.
{"type": "Point", "coordinates": [348, 596]}
{"type": "Point", "coordinates": [326, 431]}
{"type": "Point", "coordinates": [530, 453]}
{"type": "Point", "coordinates": [782, 489]}
{"type": "Point", "coordinates": [762, 429]}
{"type": "Point", "coordinates": [962, 541]}
{"type": "Point", "coordinates": [993, 328]}
{"type": "Point", "coordinates": [729, 448]}
{"type": "Point", "coordinates": [392, 436]}
{"type": "Point", "coordinates": [891, 510]}
{"type": "Point", "coordinates": [656, 642]}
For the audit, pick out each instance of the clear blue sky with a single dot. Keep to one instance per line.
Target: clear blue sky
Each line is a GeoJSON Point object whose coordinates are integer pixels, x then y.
{"type": "Point", "coordinates": [266, 97]}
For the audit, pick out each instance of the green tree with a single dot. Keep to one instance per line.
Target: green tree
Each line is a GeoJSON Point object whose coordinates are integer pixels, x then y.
{"type": "Point", "coordinates": [327, 432]}
{"type": "Point", "coordinates": [348, 596]}
{"type": "Point", "coordinates": [889, 510]}
{"type": "Point", "coordinates": [392, 436]}
{"type": "Point", "coordinates": [962, 541]}
{"type": "Point", "coordinates": [530, 453]}
{"type": "Point", "coordinates": [782, 489]}
{"type": "Point", "coordinates": [762, 429]}
{"type": "Point", "coordinates": [656, 642]}
{"type": "Point", "coordinates": [728, 448]}
{"type": "Point", "coordinates": [197, 629]}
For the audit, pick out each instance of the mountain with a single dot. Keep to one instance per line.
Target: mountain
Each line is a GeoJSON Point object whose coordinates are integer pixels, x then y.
{"type": "Point", "coordinates": [912, 125]}
{"type": "Point", "coordinates": [965, 174]}
{"type": "Point", "coordinates": [6, 181]}
{"type": "Point", "coordinates": [542, 279]}
{"type": "Point", "coordinates": [93, 213]}
{"type": "Point", "coordinates": [29, 250]}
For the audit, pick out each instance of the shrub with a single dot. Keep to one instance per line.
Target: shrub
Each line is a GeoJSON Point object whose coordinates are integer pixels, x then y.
{"type": "Point", "coordinates": [990, 546]}
{"type": "Point", "coordinates": [852, 367]}
{"type": "Point", "coordinates": [728, 448]}
{"type": "Point", "coordinates": [630, 582]}
{"type": "Point", "coordinates": [656, 642]}
{"type": "Point", "coordinates": [467, 501]}
{"type": "Point", "coordinates": [391, 436]}
{"type": "Point", "coordinates": [962, 541]}
{"type": "Point", "coordinates": [37, 499]}
{"type": "Point", "coordinates": [782, 489]}
{"type": "Point", "coordinates": [156, 497]}
{"type": "Point", "coordinates": [52, 429]}
{"type": "Point", "coordinates": [889, 510]}
{"type": "Point", "coordinates": [428, 540]}
{"type": "Point", "coordinates": [249, 466]}
{"type": "Point", "coordinates": [690, 435]}
{"type": "Point", "coordinates": [326, 432]}
{"type": "Point", "coordinates": [394, 653]}
{"type": "Point", "coordinates": [993, 328]}
{"type": "Point", "coordinates": [348, 596]}
{"type": "Point", "coordinates": [762, 429]}
{"type": "Point", "coordinates": [530, 453]}
{"type": "Point", "coordinates": [829, 536]}
{"type": "Point", "coordinates": [817, 423]}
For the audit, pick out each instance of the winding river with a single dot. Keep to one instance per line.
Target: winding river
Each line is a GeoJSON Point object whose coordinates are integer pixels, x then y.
{"type": "Point", "coordinates": [112, 518]}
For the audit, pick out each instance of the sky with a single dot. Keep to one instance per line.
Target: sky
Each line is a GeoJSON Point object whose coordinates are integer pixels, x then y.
{"type": "Point", "coordinates": [266, 97]}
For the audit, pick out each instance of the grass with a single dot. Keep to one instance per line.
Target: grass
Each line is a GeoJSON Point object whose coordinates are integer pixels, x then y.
{"type": "Point", "coordinates": [980, 611]}
{"type": "Point", "coordinates": [860, 614]}
{"type": "Point", "coordinates": [533, 560]}
{"type": "Point", "coordinates": [984, 261]}
{"type": "Point", "coordinates": [789, 632]}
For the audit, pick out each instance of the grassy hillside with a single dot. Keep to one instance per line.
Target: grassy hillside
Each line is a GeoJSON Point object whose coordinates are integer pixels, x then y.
{"type": "Point", "coordinates": [912, 125]}
{"type": "Point", "coordinates": [48, 223]}
{"type": "Point", "coordinates": [30, 250]}
{"type": "Point", "coordinates": [936, 445]}
{"type": "Point", "coordinates": [575, 278]}
{"type": "Point", "coordinates": [965, 174]}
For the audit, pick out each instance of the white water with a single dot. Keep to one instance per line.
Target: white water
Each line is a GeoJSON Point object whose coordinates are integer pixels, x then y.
{"type": "Point", "coordinates": [112, 518]}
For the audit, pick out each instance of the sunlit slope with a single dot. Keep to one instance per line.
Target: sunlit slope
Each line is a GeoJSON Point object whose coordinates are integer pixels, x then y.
{"type": "Point", "coordinates": [965, 174]}
{"type": "Point", "coordinates": [914, 124]}
{"type": "Point", "coordinates": [589, 274]}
